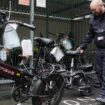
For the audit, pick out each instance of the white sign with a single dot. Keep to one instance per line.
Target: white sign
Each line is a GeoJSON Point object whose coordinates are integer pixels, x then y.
{"type": "Point", "coordinates": [57, 53]}
{"type": "Point", "coordinates": [41, 3]}
{"type": "Point", "coordinates": [26, 47]}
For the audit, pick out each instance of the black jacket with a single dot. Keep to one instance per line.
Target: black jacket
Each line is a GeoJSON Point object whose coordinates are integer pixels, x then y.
{"type": "Point", "coordinates": [96, 32]}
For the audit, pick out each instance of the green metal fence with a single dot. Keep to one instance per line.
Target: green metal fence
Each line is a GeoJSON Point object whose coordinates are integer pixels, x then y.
{"type": "Point", "coordinates": [59, 16]}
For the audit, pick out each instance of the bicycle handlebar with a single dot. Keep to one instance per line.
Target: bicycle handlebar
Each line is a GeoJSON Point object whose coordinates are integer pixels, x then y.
{"type": "Point", "coordinates": [21, 23]}
{"type": "Point", "coordinates": [26, 25]}
{"type": "Point", "coordinates": [73, 52]}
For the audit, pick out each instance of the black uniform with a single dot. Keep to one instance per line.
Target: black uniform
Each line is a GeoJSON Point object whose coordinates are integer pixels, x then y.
{"type": "Point", "coordinates": [97, 33]}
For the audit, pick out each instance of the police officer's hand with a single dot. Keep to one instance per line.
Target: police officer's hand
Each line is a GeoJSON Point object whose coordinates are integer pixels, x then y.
{"type": "Point", "coordinates": [80, 50]}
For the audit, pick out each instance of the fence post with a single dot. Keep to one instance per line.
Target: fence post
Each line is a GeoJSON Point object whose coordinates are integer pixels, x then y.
{"type": "Point", "coordinates": [31, 22]}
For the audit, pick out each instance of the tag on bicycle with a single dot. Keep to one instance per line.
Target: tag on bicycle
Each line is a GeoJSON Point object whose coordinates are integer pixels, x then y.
{"type": "Point", "coordinates": [26, 47]}
{"type": "Point", "coordinates": [57, 53]}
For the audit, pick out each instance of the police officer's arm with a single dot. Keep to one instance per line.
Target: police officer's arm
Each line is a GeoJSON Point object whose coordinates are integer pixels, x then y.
{"type": "Point", "coordinates": [88, 39]}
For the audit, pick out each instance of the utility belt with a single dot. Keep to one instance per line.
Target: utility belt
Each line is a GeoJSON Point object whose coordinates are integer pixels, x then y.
{"type": "Point", "coordinates": [100, 47]}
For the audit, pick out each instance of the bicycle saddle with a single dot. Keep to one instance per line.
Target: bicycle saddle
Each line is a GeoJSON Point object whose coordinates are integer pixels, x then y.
{"type": "Point", "coordinates": [44, 41]}
{"type": "Point", "coordinates": [86, 67]}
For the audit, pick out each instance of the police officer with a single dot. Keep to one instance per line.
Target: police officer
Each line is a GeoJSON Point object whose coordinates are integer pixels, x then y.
{"type": "Point", "coordinates": [97, 33]}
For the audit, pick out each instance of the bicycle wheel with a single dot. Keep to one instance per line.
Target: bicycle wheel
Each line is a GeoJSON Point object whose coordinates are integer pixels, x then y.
{"type": "Point", "coordinates": [88, 85]}
{"type": "Point", "coordinates": [50, 91]}
{"type": "Point", "coordinates": [20, 94]}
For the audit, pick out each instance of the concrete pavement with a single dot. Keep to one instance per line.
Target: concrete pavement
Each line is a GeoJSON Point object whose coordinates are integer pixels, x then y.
{"type": "Point", "coordinates": [71, 97]}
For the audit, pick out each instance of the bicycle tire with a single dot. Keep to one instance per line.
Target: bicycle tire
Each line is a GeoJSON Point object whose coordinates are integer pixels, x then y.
{"type": "Point", "coordinates": [55, 92]}
{"type": "Point", "coordinates": [19, 94]}
{"type": "Point", "coordinates": [88, 81]}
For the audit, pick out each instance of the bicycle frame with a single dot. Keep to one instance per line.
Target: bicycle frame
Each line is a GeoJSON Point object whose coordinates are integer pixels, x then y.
{"type": "Point", "coordinates": [36, 88]}
{"type": "Point", "coordinates": [13, 73]}
{"type": "Point", "coordinates": [6, 70]}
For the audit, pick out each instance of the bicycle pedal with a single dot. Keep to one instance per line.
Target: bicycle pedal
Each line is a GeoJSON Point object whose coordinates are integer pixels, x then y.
{"type": "Point", "coordinates": [68, 86]}
{"type": "Point", "coordinates": [83, 87]}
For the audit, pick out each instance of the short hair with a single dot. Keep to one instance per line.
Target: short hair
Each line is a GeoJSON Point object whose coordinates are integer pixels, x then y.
{"type": "Point", "coordinates": [97, 2]}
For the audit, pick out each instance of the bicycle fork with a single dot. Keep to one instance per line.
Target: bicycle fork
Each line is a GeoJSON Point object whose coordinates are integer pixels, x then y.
{"type": "Point", "coordinates": [70, 74]}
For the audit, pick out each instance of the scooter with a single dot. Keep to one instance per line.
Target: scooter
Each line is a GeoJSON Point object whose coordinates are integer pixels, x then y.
{"type": "Point", "coordinates": [29, 84]}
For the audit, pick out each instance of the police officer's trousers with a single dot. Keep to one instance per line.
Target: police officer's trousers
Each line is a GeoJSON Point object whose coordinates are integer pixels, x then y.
{"type": "Point", "coordinates": [100, 68]}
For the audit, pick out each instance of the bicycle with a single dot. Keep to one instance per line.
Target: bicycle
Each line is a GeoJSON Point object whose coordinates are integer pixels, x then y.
{"type": "Point", "coordinates": [52, 86]}
{"type": "Point", "coordinates": [31, 85]}
{"type": "Point", "coordinates": [47, 90]}
{"type": "Point", "coordinates": [74, 76]}
{"type": "Point", "coordinates": [74, 73]}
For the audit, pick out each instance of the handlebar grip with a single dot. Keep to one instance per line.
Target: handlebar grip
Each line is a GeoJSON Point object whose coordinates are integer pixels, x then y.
{"type": "Point", "coordinates": [32, 27]}
{"type": "Point", "coordinates": [27, 25]}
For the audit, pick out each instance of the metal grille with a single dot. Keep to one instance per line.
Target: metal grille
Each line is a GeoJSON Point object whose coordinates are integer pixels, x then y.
{"type": "Point", "coordinates": [57, 17]}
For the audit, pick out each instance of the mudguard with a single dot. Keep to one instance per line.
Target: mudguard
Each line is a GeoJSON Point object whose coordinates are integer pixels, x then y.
{"type": "Point", "coordinates": [36, 85]}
